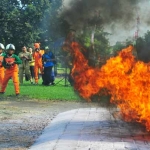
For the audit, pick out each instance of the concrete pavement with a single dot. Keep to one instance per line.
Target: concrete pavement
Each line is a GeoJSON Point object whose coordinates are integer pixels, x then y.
{"type": "Point", "coordinates": [92, 129]}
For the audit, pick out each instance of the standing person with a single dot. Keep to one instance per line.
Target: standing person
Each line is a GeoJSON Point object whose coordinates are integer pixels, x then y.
{"type": "Point", "coordinates": [37, 55]}
{"type": "Point", "coordinates": [1, 66]}
{"type": "Point", "coordinates": [48, 63]}
{"type": "Point", "coordinates": [10, 62]}
{"type": "Point", "coordinates": [24, 67]}
{"type": "Point", "coordinates": [32, 62]}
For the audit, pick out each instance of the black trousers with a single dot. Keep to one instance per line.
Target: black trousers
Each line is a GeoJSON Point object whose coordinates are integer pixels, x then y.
{"type": "Point", "coordinates": [47, 75]}
{"type": "Point", "coordinates": [32, 71]}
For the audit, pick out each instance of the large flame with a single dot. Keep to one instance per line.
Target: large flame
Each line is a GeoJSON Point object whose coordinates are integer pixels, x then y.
{"type": "Point", "coordinates": [127, 81]}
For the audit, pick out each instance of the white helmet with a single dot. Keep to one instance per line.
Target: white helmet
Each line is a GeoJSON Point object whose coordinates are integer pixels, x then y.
{"type": "Point", "coordinates": [10, 46]}
{"type": "Point", "coordinates": [2, 46]}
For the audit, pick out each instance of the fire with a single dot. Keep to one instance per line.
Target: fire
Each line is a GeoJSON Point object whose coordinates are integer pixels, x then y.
{"type": "Point", "coordinates": [127, 81]}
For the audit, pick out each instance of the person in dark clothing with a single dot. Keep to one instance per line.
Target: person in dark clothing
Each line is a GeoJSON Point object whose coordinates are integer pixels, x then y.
{"type": "Point", "coordinates": [48, 59]}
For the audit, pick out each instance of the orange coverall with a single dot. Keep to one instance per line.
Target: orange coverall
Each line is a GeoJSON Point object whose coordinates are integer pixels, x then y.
{"type": "Point", "coordinates": [1, 70]}
{"type": "Point", "coordinates": [37, 55]}
{"type": "Point", "coordinates": [11, 72]}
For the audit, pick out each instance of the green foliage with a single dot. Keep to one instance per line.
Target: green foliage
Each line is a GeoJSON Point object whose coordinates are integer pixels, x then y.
{"type": "Point", "coordinates": [20, 21]}
{"type": "Point", "coordinates": [56, 27]}
{"type": "Point", "coordinates": [143, 47]}
{"type": "Point", "coordinates": [24, 22]}
{"type": "Point", "coordinates": [101, 43]}
{"type": "Point", "coordinates": [143, 42]}
{"type": "Point", "coordinates": [120, 45]}
{"type": "Point", "coordinates": [99, 49]}
{"type": "Point", "coordinates": [117, 47]}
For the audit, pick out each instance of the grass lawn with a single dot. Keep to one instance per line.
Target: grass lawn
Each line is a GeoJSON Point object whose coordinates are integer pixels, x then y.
{"type": "Point", "coordinates": [56, 92]}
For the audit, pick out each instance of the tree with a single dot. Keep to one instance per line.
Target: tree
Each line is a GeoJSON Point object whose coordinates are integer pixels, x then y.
{"type": "Point", "coordinates": [143, 47]}
{"type": "Point", "coordinates": [20, 21]}
{"type": "Point", "coordinates": [98, 52]}
{"type": "Point", "coordinates": [55, 26]}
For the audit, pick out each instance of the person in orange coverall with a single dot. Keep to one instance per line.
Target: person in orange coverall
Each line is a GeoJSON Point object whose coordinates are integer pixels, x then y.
{"type": "Point", "coordinates": [37, 55]}
{"type": "Point", "coordinates": [10, 62]}
{"type": "Point", "coordinates": [1, 60]}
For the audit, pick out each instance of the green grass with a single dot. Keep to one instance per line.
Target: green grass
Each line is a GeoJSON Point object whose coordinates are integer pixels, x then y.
{"type": "Point", "coordinates": [57, 92]}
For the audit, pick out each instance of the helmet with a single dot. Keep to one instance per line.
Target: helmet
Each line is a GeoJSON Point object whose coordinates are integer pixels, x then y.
{"type": "Point", "coordinates": [46, 48]}
{"type": "Point", "coordinates": [2, 46]}
{"type": "Point", "coordinates": [36, 45]}
{"type": "Point", "coordinates": [10, 46]}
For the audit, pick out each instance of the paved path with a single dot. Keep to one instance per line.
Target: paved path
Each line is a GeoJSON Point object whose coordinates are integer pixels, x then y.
{"type": "Point", "coordinates": [92, 129]}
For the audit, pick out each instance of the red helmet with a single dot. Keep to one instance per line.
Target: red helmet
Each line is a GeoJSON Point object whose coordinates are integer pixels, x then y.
{"type": "Point", "coordinates": [36, 45]}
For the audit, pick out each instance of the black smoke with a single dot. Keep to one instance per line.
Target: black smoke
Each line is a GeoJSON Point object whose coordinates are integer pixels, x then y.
{"type": "Point", "coordinates": [80, 13]}
{"type": "Point", "coordinates": [86, 13]}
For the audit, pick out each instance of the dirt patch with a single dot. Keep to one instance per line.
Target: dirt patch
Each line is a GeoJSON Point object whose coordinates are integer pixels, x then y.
{"type": "Point", "coordinates": [23, 120]}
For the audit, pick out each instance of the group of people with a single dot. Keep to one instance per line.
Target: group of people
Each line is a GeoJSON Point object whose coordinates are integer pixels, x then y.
{"type": "Point", "coordinates": [27, 64]}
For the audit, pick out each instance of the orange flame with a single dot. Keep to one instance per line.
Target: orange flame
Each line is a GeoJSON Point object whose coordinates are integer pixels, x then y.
{"type": "Point", "coordinates": [127, 80]}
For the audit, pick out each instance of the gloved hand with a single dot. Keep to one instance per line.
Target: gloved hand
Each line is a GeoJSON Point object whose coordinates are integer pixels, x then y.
{"type": "Point", "coordinates": [10, 64]}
